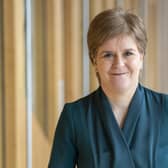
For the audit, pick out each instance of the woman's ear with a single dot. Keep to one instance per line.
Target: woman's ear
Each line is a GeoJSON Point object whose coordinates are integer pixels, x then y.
{"type": "Point", "coordinates": [95, 64]}
{"type": "Point", "coordinates": [94, 61]}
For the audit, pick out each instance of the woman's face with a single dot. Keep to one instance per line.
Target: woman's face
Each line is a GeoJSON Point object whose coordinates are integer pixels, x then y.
{"type": "Point", "coordinates": [118, 63]}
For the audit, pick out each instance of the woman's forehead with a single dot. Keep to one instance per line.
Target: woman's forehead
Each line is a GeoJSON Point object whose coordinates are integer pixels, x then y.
{"type": "Point", "coordinates": [119, 41]}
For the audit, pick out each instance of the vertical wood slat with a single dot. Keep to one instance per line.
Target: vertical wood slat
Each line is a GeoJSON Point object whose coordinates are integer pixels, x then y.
{"type": "Point", "coordinates": [55, 75]}
{"type": "Point", "coordinates": [134, 6]}
{"type": "Point", "coordinates": [131, 5]}
{"type": "Point", "coordinates": [10, 129]}
{"type": "Point", "coordinates": [41, 150]}
{"type": "Point", "coordinates": [1, 140]}
{"type": "Point", "coordinates": [86, 61]}
{"type": "Point", "coordinates": [20, 83]}
{"type": "Point", "coordinates": [128, 4]}
{"type": "Point", "coordinates": [151, 76]}
{"type": "Point", "coordinates": [96, 6]}
{"type": "Point", "coordinates": [1, 115]}
{"type": "Point", "coordinates": [108, 4]}
{"type": "Point", "coordinates": [162, 41]}
{"type": "Point", "coordinates": [73, 49]}
{"type": "Point", "coordinates": [119, 3]}
{"type": "Point", "coordinates": [55, 57]}
{"type": "Point", "coordinates": [1, 85]}
{"type": "Point", "coordinates": [15, 111]}
{"type": "Point", "coordinates": [39, 62]}
{"type": "Point", "coordinates": [1, 123]}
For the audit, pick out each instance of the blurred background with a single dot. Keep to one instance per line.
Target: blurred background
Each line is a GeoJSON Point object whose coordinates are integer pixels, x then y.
{"type": "Point", "coordinates": [44, 63]}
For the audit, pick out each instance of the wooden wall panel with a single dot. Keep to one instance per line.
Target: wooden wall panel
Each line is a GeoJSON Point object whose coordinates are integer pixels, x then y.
{"type": "Point", "coordinates": [14, 73]}
{"type": "Point", "coordinates": [20, 97]}
{"type": "Point", "coordinates": [1, 115]}
{"type": "Point", "coordinates": [131, 5]}
{"type": "Point", "coordinates": [73, 49]}
{"type": "Point", "coordinates": [1, 85]}
{"type": "Point", "coordinates": [41, 149]}
{"type": "Point", "coordinates": [55, 61]}
{"type": "Point", "coordinates": [10, 129]}
{"type": "Point", "coordinates": [162, 41]}
{"type": "Point", "coordinates": [128, 4]}
{"type": "Point", "coordinates": [108, 4]}
{"type": "Point", "coordinates": [151, 68]}
{"type": "Point", "coordinates": [39, 62]}
{"type": "Point", "coordinates": [1, 126]}
{"type": "Point", "coordinates": [96, 6]}
{"type": "Point", "coordinates": [43, 83]}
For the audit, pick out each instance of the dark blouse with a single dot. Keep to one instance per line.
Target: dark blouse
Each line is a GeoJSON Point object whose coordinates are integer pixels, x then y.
{"type": "Point", "coordinates": [87, 134]}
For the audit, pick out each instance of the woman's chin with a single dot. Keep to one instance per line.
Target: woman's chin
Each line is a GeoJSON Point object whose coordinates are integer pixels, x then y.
{"type": "Point", "coordinates": [119, 87]}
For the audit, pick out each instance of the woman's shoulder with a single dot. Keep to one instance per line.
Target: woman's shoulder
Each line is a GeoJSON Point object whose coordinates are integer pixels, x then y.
{"type": "Point", "coordinates": [81, 105]}
{"type": "Point", "coordinates": [155, 95]}
{"type": "Point", "coordinates": [83, 101]}
{"type": "Point", "coordinates": [76, 112]}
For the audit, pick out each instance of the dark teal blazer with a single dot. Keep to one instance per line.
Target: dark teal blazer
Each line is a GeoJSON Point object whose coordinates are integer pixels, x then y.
{"type": "Point", "coordinates": [87, 134]}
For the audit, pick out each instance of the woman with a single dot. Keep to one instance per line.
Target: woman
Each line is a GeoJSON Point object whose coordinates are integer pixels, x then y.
{"type": "Point", "coordinates": [122, 124]}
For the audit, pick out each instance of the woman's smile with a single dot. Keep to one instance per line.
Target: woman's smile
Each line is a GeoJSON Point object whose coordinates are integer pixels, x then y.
{"type": "Point", "coordinates": [119, 73]}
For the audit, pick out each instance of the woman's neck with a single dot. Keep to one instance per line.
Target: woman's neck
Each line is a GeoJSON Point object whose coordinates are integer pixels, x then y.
{"type": "Point", "coordinates": [119, 98]}
{"type": "Point", "coordinates": [120, 102]}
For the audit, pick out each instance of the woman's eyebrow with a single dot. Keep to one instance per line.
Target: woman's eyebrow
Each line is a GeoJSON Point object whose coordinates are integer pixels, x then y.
{"type": "Point", "coordinates": [106, 52]}
{"type": "Point", "coordinates": [111, 52]}
{"type": "Point", "coordinates": [129, 49]}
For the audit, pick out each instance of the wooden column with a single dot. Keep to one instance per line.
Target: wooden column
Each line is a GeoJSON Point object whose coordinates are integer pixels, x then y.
{"type": "Point", "coordinates": [1, 126]}
{"type": "Point", "coordinates": [56, 64]}
{"type": "Point", "coordinates": [162, 58]}
{"type": "Point", "coordinates": [128, 4]}
{"type": "Point", "coordinates": [119, 3]}
{"type": "Point", "coordinates": [1, 141]}
{"type": "Point", "coordinates": [41, 149]}
{"type": "Point", "coordinates": [14, 74]}
{"type": "Point", "coordinates": [1, 85]}
{"type": "Point", "coordinates": [49, 79]}
{"type": "Point", "coordinates": [73, 49]}
{"type": "Point", "coordinates": [1, 113]}
{"type": "Point", "coordinates": [131, 5]}
{"type": "Point", "coordinates": [151, 76]}
{"type": "Point", "coordinates": [108, 4]}
{"type": "Point", "coordinates": [39, 63]}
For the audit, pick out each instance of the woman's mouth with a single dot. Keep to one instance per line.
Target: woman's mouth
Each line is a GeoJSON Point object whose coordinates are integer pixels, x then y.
{"type": "Point", "coordinates": [119, 74]}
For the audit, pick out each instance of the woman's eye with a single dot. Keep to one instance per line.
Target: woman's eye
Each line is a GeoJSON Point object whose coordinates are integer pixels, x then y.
{"type": "Point", "coordinates": [107, 55]}
{"type": "Point", "coordinates": [128, 53]}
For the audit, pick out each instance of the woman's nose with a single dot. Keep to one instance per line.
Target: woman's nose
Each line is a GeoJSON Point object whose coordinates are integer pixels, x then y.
{"type": "Point", "coordinates": [118, 60]}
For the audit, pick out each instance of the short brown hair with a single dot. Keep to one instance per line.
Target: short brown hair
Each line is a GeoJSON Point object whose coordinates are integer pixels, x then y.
{"type": "Point", "coordinates": [111, 23]}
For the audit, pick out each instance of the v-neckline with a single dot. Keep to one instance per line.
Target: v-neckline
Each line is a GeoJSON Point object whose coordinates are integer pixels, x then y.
{"type": "Point", "coordinates": [114, 133]}
{"type": "Point", "coordinates": [132, 114]}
